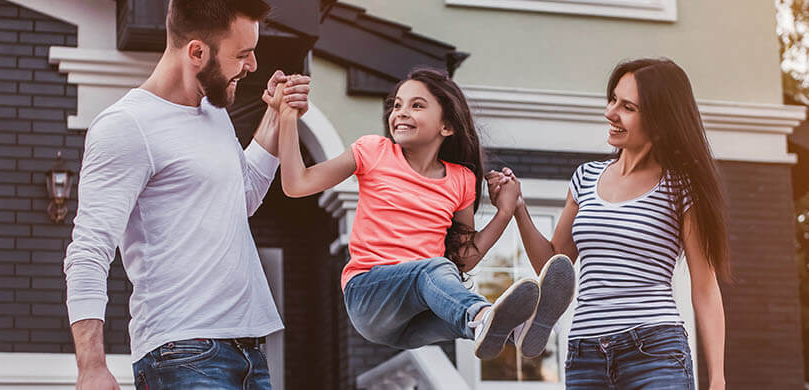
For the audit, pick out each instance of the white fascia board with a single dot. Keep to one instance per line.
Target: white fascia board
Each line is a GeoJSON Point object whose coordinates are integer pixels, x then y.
{"type": "Point", "coordinates": [110, 68]}
{"type": "Point", "coordinates": [507, 117]}
{"type": "Point", "coordinates": [655, 10]}
{"type": "Point", "coordinates": [102, 76]}
{"type": "Point", "coordinates": [573, 122]}
{"type": "Point", "coordinates": [55, 370]}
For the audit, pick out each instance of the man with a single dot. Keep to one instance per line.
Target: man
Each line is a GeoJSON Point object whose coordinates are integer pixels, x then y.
{"type": "Point", "coordinates": [165, 179]}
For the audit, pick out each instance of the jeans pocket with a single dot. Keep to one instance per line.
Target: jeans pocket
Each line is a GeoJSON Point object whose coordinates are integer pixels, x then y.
{"type": "Point", "coordinates": [184, 352]}
{"type": "Point", "coordinates": [665, 349]}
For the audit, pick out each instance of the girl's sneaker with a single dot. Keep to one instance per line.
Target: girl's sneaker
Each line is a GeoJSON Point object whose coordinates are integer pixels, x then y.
{"type": "Point", "coordinates": [514, 307]}
{"type": "Point", "coordinates": [557, 284]}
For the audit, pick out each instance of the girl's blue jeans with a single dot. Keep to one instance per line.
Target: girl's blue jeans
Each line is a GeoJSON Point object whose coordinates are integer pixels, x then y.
{"type": "Point", "coordinates": [412, 304]}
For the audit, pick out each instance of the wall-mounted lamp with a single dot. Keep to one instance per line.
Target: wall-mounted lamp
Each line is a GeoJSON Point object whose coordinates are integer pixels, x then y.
{"type": "Point", "coordinates": [58, 180]}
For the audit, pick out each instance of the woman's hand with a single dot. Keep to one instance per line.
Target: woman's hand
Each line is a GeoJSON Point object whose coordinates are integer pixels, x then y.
{"type": "Point", "coordinates": [718, 384]}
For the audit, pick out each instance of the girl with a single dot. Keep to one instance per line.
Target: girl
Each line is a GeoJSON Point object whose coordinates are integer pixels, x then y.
{"type": "Point", "coordinates": [629, 218]}
{"type": "Point", "coordinates": [413, 232]}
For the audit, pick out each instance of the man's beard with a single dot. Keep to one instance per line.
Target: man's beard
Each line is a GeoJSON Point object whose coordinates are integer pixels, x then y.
{"type": "Point", "coordinates": [215, 84]}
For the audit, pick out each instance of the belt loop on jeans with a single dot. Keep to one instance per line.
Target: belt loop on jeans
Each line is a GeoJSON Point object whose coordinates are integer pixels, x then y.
{"type": "Point", "coordinates": [635, 337]}
{"type": "Point", "coordinates": [251, 342]}
{"type": "Point", "coordinates": [575, 347]}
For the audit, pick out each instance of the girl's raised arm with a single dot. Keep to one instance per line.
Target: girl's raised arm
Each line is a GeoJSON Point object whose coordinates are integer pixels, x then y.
{"type": "Point", "coordinates": [296, 179]}
{"type": "Point", "coordinates": [484, 239]}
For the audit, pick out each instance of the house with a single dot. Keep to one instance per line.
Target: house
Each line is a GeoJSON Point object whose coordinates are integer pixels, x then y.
{"type": "Point", "coordinates": [534, 72]}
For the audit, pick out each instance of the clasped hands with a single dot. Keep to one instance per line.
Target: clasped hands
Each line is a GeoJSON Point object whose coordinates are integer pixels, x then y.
{"type": "Point", "coordinates": [504, 190]}
{"type": "Point", "coordinates": [288, 95]}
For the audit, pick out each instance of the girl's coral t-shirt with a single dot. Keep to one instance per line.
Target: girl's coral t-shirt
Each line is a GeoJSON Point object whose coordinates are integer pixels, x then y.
{"type": "Point", "coordinates": [401, 215]}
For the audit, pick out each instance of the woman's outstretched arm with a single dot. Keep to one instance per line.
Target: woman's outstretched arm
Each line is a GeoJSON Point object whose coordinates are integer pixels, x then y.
{"type": "Point", "coordinates": [538, 248]}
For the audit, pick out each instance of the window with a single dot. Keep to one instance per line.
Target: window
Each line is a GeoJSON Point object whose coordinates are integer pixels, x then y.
{"type": "Point", "coordinates": [272, 260]}
{"type": "Point", "coordinates": [506, 262]}
{"type": "Point", "coordinates": [661, 10]}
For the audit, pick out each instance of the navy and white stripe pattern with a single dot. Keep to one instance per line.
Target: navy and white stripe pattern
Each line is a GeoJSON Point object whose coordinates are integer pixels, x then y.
{"type": "Point", "coordinates": [628, 251]}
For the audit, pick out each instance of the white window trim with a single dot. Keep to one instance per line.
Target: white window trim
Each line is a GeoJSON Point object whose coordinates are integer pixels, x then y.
{"type": "Point", "coordinates": [272, 261]}
{"type": "Point", "coordinates": [656, 10]}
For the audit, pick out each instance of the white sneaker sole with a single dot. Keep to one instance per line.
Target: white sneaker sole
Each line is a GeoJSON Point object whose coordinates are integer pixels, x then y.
{"type": "Point", "coordinates": [557, 282]}
{"type": "Point", "coordinates": [514, 307]}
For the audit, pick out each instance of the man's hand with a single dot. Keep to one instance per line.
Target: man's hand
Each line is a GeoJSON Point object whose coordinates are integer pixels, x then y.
{"type": "Point", "coordinates": [279, 103]}
{"type": "Point", "coordinates": [98, 378]}
{"type": "Point", "coordinates": [88, 336]}
{"type": "Point", "coordinates": [295, 91]}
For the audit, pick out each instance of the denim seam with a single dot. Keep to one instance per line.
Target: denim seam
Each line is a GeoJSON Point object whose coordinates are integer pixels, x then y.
{"type": "Point", "coordinates": [204, 356]}
{"type": "Point", "coordinates": [443, 294]}
{"type": "Point", "coordinates": [678, 356]}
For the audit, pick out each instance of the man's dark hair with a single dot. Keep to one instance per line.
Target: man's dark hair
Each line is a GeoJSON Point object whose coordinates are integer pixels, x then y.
{"type": "Point", "coordinates": [207, 20]}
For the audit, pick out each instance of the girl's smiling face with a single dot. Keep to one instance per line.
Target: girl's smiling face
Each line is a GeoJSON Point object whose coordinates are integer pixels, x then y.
{"type": "Point", "coordinates": [416, 117]}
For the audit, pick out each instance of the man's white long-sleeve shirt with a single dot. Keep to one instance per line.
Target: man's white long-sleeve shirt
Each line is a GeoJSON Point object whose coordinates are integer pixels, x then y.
{"type": "Point", "coordinates": [172, 188]}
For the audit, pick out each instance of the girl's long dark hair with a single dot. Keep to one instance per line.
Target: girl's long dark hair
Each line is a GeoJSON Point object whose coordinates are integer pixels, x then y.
{"type": "Point", "coordinates": [462, 147]}
{"type": "Point", "coordinates": [670, 116]}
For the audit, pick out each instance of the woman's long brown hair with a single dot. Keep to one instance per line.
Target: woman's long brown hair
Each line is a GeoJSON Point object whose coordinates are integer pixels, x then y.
{"type": "Point", "coordinates": [670, 116]}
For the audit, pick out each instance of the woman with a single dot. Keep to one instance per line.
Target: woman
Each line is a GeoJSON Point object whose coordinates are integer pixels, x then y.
{"type": "Point", "coordinates": [629, 218]}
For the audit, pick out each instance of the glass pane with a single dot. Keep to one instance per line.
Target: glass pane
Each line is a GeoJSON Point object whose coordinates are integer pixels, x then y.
{"type": "Point", "coordinates": [491, 284]}
{"type": "Point", "coordinates": [504, 367]}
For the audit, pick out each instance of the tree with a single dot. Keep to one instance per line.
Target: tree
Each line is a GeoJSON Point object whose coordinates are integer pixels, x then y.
{"type": "Point", "coordinates": [793, 33]}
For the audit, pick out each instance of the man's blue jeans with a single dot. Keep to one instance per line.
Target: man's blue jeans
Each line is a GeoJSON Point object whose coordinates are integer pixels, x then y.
{"type": "Point", "coordinates": [412, 304]}
{"type": "Point", "coordinates": [655, 357]}
{"type": "Point", "coordinates": [204, 364]}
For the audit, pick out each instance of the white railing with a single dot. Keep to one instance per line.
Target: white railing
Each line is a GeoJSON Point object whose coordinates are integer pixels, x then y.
{"type": "Point", "coordinates": [425, 368]}
{"type": "Point", "coordinates": [54, 371]}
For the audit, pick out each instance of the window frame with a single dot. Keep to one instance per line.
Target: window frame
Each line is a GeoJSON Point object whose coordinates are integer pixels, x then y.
{"type": "Point", "coordinates": [653, 10]}
{"type": "Point", "coordinates": [469, 366]}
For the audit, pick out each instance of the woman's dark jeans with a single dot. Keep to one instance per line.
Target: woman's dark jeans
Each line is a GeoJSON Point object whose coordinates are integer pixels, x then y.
{"type": "Point", "coordinates": [654, 357]}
